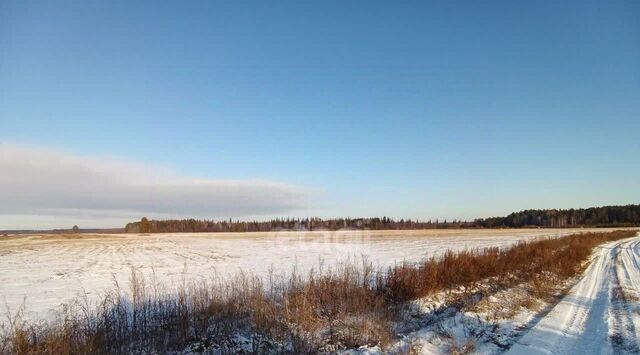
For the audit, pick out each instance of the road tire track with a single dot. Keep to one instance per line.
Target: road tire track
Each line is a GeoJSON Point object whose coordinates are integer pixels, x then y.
{"type": "Point", "coordinates": [596, 316]}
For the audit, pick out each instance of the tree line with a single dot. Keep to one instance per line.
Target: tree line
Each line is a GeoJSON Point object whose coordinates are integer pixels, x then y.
{"type": "Point", "coordinates": [607, 216]}
{"type": "Point", "coordinates": [281, 224]}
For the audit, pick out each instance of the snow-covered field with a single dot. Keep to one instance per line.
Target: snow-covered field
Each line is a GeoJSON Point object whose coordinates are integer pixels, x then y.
{"type": "Point", "coordinates": [42, 272]}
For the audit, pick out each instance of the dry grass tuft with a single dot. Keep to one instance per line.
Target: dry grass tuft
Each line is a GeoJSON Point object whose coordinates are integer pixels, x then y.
{"type": "Point", "coordinates": [466, 347]}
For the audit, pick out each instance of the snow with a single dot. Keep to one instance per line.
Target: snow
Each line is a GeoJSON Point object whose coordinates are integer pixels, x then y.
{"type": "Point", "coordinates": [42, 272]}
{"type": "Point", "coordinates": [591, 319]}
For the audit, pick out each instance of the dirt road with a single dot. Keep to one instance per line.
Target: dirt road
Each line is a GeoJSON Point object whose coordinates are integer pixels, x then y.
{"type": "Point", "coordinates": [600, 314]}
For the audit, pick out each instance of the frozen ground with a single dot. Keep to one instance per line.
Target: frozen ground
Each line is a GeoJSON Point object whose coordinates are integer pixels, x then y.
{"type": "Point", "coordinates": [41, 272]}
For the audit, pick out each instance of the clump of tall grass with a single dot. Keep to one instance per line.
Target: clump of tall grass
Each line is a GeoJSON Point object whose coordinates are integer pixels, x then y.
{"type": "Point", "coordinates": [344, 307]}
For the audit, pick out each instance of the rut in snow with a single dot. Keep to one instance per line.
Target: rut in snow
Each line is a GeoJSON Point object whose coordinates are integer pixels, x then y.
{"type": "Point", "coordinates": [623, 295]}
{"type": "Point", "coordinates": [597, 315]}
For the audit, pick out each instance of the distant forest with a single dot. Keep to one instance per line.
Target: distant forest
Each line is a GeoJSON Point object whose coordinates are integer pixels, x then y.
{"type": "Point", "coordinates": [608, 216]}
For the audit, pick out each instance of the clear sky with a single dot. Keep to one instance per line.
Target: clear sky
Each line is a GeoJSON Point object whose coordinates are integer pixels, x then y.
{"type": "Point", "coordinates": [253, 109]}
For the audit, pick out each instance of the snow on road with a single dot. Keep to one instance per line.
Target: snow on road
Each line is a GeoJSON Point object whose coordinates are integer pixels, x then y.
{"type": "Point", "coordinates": [600, 314]}
{"type": "Point", "coordinates": [42, 272]}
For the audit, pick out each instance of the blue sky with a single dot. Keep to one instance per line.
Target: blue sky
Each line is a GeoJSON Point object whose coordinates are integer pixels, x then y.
{"type": "Point", "coordinates": [405, 109]}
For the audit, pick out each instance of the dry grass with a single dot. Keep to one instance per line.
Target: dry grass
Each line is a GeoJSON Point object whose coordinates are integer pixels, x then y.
{"type": "Point", "coordinates": [525, 262]}
{"type": "Point", "coordinates": [461, 349]}
{"type": "Point", "coordinates": [320, 312]}
{"type": "Point", "coordinates": [345, 307]}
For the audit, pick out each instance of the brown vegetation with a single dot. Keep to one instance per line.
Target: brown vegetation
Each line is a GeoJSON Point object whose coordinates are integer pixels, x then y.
{"type": "Point", "coordinates": [323, 311]}
{"type": "Point", "coordinates": [522, 263]}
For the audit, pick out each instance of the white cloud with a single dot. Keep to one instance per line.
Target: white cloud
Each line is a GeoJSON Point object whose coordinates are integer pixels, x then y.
{"type": "Point", "coordinates": [41, 182]}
